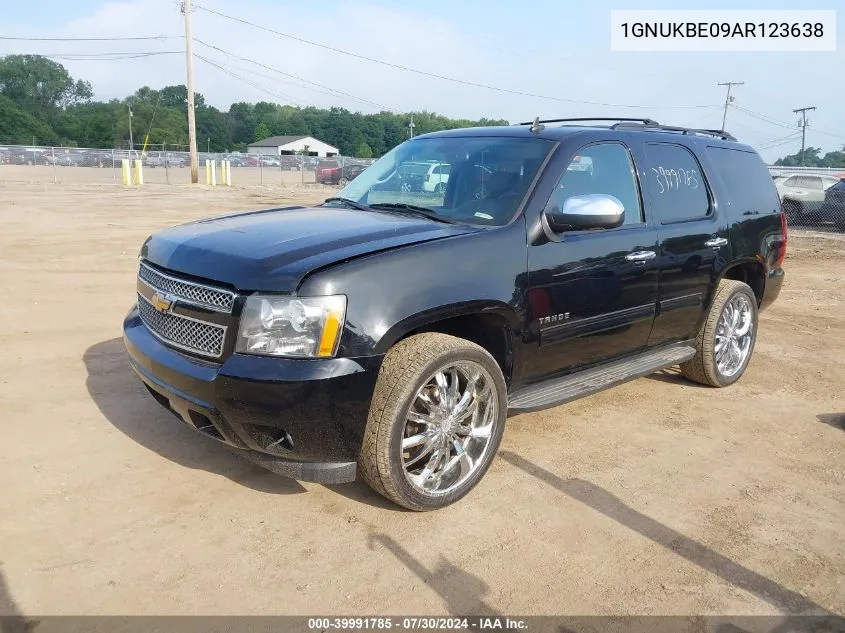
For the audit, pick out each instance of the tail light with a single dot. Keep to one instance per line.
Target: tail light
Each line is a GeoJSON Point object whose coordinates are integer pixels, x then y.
{"type": "Point", "coordinates": [784, 237]}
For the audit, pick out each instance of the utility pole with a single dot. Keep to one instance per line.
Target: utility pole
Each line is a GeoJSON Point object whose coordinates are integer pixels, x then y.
{"type": "Point", "coordinates": [728, 98]}
{"type": "Point", "coordinates": [411, 125]}
{"type": "Point", "coordinates": [803, 112]}
{"type": "Point", "coordinates": [131, 143]}
{"type": "Point", "coordinates": [189, 63]}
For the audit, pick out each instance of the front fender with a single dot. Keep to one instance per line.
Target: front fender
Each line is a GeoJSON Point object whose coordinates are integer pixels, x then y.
{"type": "Point", "coordinates": [392, 293]}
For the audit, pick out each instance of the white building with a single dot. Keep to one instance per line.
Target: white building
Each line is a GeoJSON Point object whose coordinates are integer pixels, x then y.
{"type": "Point", "coordinates": [287, 145]}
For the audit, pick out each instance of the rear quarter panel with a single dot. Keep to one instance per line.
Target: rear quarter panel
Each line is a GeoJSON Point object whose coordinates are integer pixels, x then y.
{"type": "Point", "coordinates": [751, 201]}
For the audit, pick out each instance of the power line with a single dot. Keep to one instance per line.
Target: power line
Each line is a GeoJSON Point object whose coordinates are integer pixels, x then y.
{"type": "Point", "coordinates": [783, 124]}
{"type": "Point", "coordinates": [90, 39]}
{"type": "Point", "coordinates": [780, 141]}
{"type": "Point", "coordinates": [764, 118]}
{"type": "Point", "coordinates": [286, 74]}
{"type": "Point", "coordinates": [249, 82]}
{"type": "Point", "coordinates": [434, 75]}
{"type": "Point", "coordinates": [105, 56]}
{"type": "Point", "coordinates": [236, 69]}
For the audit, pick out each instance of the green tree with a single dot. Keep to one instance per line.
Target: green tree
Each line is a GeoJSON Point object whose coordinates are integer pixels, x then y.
{"type": "Point", "coordinates": [39, 85]}
{"type": "Point", "coordinates": [261, 132]}
{"type": "Point", "coordinates": [20, 127]}
{"type": "Point", "coordinates": [41, 99]}
{"type": "Point", "coordinates": [364, 151]}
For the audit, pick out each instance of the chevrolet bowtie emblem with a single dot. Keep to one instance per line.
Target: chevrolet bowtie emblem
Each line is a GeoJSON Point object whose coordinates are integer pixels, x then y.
{"type": "Point", "coordinates": [162, 302]}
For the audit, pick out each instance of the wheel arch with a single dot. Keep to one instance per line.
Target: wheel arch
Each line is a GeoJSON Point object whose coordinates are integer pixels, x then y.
{"type": "Point", "coordinates": [491, 325]}
{"type": "Point", "coordinates": [749, 271]}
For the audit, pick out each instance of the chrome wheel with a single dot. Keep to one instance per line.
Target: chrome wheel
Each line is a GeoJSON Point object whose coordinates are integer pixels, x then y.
{"type": "Point", "coordinates": [734, 335]}
{"type": "Point", "coordinates": [406, 187]}
{"type": "Point", "coordinates": [449, 427]}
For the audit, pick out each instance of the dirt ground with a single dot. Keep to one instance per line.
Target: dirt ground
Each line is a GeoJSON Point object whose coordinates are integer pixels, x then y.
{"type": "Point", "coordinates": [656, 497]}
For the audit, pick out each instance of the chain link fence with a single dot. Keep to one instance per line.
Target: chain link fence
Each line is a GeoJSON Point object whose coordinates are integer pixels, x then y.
{"type": "Point", "coordinates": [161, 165]}
{"type": "Point", "coordinates": [813, 198]}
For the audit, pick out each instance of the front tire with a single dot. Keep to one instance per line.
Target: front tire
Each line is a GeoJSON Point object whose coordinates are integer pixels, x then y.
{"type": "Point", "coordinates": [726, 339]}
{"type": "Point", "coordinates": [435, 423]}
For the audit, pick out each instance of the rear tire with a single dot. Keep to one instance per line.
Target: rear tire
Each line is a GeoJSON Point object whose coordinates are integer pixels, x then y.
{"type": "Point", "coordinates": [726, 340]}
{"type": "Point", "coordinates": [422, 450]}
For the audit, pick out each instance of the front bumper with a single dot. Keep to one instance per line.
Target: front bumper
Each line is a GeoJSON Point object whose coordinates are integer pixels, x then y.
{"type": "Point", "coordinates": [303, 419]}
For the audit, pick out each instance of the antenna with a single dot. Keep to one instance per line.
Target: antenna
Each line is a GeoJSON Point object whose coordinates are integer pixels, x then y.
{"type": "Point", "coordinates": [536, 126]}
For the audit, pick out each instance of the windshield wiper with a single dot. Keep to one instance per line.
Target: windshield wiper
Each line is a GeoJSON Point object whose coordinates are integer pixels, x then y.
{"type": "Point", "coordinates": [349, 203]}
{"type": "Point", "coordinates": [423, 211]}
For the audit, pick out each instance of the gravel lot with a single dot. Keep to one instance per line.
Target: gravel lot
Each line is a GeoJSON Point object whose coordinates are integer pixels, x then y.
{"type": "Point", "coordinates": [657, 497]}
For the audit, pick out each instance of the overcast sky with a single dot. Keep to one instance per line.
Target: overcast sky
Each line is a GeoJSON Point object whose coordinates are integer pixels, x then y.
{"type": "Point", "coordinates": [552, 48]}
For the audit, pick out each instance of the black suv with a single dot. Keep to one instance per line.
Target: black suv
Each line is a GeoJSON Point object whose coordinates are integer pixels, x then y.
{"type": "Point", "coordinates": [389, 333]}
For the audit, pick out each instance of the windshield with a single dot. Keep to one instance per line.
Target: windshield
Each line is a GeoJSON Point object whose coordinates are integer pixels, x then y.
{"type": "Point", "coordinates": [477, 180]}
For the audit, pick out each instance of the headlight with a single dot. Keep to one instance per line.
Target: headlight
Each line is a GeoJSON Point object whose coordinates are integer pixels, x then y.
{"type": "Point", "coordinates": [291, 326]}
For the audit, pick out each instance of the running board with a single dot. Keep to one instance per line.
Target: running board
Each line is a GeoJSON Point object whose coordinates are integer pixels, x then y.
{"type": "Point", "coordinates": [583, 383]}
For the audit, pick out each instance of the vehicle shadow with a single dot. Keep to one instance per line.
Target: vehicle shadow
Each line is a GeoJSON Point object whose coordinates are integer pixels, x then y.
{"type": "Point", "coordinates": [11, 618]}
{"type": "Point", "coordinates": [125, 403]}
{"type": "Point", "coordinates": [786, 600]}
{"type": "Point", "coordinates": [462, 592]}
{"type": "Point", "coordinates": [674, 375]}
{"type": "Point", "coordinates": [836, 420]}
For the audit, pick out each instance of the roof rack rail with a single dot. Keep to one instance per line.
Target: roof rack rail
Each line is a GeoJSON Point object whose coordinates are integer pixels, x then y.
{"type": "Point", "coordinates": [591, 118]}
{"type": "Point", "coordinates": [727, 136]}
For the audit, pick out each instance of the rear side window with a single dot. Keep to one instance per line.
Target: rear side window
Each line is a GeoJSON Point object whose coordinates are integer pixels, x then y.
{"type": "Point", "coordinates": [675, 179]}
{"type": "Point", "coordinates": [811, 182]}
{"type": "Point", "coordinates": [792, 181]}
{"type": "Point", "coordinates": [749, 185]}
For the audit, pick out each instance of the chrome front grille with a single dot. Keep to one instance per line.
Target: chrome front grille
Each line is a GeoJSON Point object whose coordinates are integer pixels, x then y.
{"type": "Point", "coordinates": [183, 332]}
{"type": "Point", "coordinates": [188, 291]}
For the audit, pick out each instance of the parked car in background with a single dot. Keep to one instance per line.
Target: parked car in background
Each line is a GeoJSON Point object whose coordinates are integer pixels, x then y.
{"type": "Point", "coordinates": [833, 207]}
{"type": "Point", "coordinates": [802, 195]}
{"type": "Point", "coordinates": [291, 162]}
{"type": "Point", "coordinates": [334, 172]}
{"type": "Point", "coordinates": [436, 178]}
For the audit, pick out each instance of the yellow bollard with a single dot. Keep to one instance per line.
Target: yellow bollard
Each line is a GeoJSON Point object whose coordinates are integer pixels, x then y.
{"type": "Point", "coordinates": [227, 173]}
{"type": "Point", "coordinates": [207, 171]}
{"type": "Point", "coordinates": [125, 171]}
{"type": "Point", "coordinates": [139, 172]}
{"type": "Point", "coordinates": [214, 173]}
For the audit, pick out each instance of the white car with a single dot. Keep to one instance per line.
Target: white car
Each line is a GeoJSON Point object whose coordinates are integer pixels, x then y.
{"type": "Point", "coordinates": [802, 194]}
{"type": "Point", "coordinates": [436, 178]}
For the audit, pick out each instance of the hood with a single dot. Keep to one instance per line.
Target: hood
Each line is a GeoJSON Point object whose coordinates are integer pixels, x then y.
{"type": "Point", "coordinates": [274, 249]}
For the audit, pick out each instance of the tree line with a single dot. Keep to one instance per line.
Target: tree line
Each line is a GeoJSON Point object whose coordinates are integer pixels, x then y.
{"type": "Point", "coordinates": [41, 103]}
{"type": "Point", "coordinates": [813, 158]}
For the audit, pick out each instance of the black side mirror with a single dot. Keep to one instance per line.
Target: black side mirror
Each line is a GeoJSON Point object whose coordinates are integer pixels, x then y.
{"type": "Point", "coordinates": [589, 211]}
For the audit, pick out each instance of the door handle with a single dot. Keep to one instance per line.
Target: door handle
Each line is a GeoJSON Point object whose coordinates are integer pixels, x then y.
{"type": "Point", "coordinates": [640, 256]}
{"type": "Point", "coordinates": [716, 242]}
